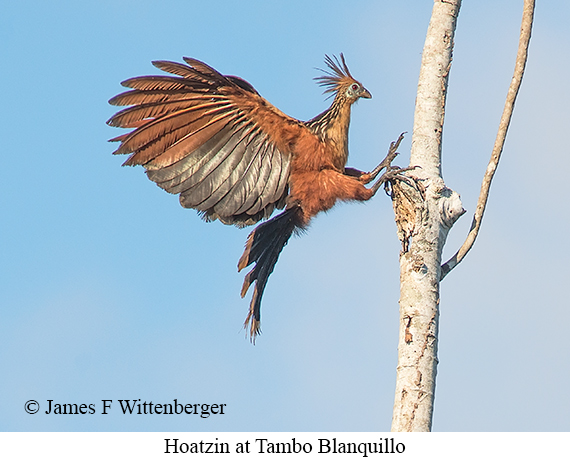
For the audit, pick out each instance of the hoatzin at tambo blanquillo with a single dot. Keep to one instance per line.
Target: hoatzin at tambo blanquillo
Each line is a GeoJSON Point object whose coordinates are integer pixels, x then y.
{"type": "Point", "coordinates": [235, 157]}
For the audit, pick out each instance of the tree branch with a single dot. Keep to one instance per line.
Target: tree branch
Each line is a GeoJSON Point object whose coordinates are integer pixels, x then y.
{"type": "Point", "coordinates": [522, 54]}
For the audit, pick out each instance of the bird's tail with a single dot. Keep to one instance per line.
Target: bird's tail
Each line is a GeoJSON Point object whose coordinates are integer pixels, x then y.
{"type": "Point", "coordinates": [263, 246]}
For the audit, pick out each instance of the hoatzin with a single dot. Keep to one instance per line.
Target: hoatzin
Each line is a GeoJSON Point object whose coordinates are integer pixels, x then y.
{"type": "Point", "coordinates": [234, 157]}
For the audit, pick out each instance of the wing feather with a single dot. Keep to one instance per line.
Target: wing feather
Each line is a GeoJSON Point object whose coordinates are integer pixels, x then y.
{"type": "Point", "coordinates": [232, 176]}
{"type": "Point", "coordinates": [207, 179]}
{"type": "Point", "coordinates": [241, 187]}
{"type": "Point", "coordinates": [172, 175]}
{"type": "Point", "coordinates": [176, 124]}
{"type": "Point", "coordinates": [154, 109]}
{"type": "Point", "coordinates": [267, 195]}
{"type": "Point", "coordinates": [184, 71]}
{"type": "Point", "coordinates": [163, 83]}
{"type": "Point", "coordinates": [255, 182]}
{"type": "Point", "coordinates": [139, 97]}
{"type": "Point", "coordinates": [210, 138]}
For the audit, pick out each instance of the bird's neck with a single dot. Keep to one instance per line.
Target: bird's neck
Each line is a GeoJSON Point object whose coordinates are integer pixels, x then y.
{"type": "Point", "coordinates": [332, 127]}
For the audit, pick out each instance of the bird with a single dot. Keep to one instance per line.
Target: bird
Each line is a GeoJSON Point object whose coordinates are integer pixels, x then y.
{"type": "Point", "coordinates": [234, 157]}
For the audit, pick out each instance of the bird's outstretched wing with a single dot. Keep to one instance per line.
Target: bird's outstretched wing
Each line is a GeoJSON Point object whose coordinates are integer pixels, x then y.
{"type": "Point", "coordinates": [210, 138]}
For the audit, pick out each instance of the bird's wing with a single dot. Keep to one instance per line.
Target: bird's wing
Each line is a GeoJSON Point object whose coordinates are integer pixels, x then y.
{"type": "Point", "coordinates": [210, 138]}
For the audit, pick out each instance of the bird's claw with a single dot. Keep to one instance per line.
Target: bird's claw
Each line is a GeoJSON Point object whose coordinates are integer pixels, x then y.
{"type": "Point", "coordinates": [391, 174]}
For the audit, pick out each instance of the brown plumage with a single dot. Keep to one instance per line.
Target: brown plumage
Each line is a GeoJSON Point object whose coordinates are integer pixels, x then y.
{"type": "Point", "coordinates": [233, 156]}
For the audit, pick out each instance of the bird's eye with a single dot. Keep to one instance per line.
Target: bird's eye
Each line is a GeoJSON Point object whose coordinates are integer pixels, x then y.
{"type": "Point", "coordinates": [354, 87]}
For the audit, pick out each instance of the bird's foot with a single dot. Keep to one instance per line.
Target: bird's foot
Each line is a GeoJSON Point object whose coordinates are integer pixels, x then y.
{"type": "Point", "coordinates": [365, 178]}
{"type": "Point", "coordinates": [390, 175]}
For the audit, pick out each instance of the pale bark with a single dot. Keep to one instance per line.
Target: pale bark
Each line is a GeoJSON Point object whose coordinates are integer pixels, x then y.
{"type": "Point", "coordinates": [424, 214]}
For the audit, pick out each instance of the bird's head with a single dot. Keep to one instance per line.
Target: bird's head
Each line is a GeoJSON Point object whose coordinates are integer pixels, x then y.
{"type": "Point", "coordinates": [338, 81]}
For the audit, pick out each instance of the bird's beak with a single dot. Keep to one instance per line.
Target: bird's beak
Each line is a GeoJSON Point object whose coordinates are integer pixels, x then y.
{"type": "Point", "coordinates": [365, 93]}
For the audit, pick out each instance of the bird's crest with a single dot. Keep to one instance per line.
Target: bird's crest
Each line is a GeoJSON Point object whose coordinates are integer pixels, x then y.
{"type": "Point", "coordinates": [337, 76]}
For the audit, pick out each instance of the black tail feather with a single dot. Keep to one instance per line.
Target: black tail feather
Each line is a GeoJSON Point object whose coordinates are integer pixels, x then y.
{"type": "Point", "coordinates": [263, 246]}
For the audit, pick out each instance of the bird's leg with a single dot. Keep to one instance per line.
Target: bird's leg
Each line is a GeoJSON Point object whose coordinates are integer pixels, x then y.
{"type": "Point", "coordinates": [365, 178]}
{"type": "Point", "coordinates": [354, 173]}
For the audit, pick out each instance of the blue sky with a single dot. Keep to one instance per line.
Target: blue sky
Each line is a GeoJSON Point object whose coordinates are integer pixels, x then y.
{"type": "Point", "coordinates": [110, 290]}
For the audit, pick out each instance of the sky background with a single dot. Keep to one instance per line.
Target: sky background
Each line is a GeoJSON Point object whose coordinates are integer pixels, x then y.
{"type": "Point", "coordinates": [110, 290]}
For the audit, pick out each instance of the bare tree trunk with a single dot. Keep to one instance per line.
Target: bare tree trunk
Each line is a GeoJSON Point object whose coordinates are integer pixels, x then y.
{"type": "Point", "coordinates": [424, 214]}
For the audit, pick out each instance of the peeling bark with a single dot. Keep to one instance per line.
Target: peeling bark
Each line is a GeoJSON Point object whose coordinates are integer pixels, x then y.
{"type": "Point", "coordinates": [426, 220]}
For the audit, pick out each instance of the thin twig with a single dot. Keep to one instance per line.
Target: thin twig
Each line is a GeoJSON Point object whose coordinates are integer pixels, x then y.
{"type": "Point", "coordinates": [522, 54]}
